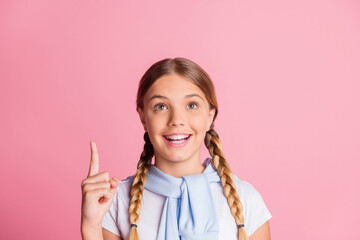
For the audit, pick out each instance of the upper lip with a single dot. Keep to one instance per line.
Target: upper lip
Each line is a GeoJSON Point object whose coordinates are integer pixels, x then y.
{"type": "Point", "coordinates": [174, 134]}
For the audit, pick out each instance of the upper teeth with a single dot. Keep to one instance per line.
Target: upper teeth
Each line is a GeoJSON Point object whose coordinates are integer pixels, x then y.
{"type": "Point", "coordinates": [176, 137]}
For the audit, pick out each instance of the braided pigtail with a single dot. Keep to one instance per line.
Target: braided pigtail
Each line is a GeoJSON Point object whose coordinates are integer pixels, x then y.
{"type": "Point", "coordinates": [137, 187]}
{"type": "Point", "coordinates": [219, 162]}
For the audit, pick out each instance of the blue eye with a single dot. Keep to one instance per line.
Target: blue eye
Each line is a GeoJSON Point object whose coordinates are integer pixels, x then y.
{"type": "Point", "coordinates": [160, 107]}
{"type": "Point", "coordinates": [192, 105]}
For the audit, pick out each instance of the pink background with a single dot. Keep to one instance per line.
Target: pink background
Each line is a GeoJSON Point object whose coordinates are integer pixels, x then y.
{"type": "Point", "coordinates": [287, 80]}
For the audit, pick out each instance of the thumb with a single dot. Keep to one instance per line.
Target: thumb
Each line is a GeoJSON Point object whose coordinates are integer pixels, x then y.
{"type": "Point", "coordinates": [114, 182]}
{"type": "Point", "coordinates": [111, 192]}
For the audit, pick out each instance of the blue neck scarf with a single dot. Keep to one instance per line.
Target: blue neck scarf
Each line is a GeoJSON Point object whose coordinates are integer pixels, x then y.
{"type": "Point", "coordinates": [189, 211]}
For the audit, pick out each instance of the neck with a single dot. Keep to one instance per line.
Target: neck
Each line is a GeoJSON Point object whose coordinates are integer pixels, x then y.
{"type": "Point", "coordinates": [180, 168]}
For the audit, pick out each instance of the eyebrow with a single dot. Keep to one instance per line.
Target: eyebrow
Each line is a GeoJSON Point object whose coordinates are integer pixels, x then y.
{"type": "Point", "coordinates": [187, 96]}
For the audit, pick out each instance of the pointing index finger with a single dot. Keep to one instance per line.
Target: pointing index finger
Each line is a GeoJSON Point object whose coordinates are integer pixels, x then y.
{"type": "Point", "coordinates": [94, 160]}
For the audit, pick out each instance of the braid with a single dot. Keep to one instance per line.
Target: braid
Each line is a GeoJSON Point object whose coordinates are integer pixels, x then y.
{"type": "Point", "coordinates": [137, 187]}
{"type": "Point", "coordinates": [219, 162]}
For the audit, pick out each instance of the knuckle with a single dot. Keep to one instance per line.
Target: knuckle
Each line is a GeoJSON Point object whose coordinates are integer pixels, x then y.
{"type": "Point", "coordinates": [86, 195]}
{"type": "Point", "coordinates": [85, 188]}
{"type": "Point", "coordinates": [83, 182]}
{"type": "Point", "coordinates": [107, 175]}
{"type": "Point", "coordinates": [103, 185]}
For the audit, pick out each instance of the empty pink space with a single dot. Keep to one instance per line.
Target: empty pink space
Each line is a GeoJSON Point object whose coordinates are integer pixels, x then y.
{"type": "Point", "coordinates": [286, 75]}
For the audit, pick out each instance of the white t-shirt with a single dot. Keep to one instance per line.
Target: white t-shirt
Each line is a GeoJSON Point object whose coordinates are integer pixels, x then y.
{"type": "Point", "coordinates": [116, 220]}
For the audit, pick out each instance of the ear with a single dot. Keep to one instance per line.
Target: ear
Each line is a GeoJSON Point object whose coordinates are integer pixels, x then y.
{"type": "Point", "coordinates": [210, 118]}
{"type": "Point", "coordinates": [142, 118]}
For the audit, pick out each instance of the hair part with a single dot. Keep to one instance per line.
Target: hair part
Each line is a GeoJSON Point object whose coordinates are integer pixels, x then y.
{"type": "Point", "coordinates": [192, 71]}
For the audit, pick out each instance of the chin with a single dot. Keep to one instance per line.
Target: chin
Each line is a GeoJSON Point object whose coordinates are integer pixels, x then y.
{"type": "Point", "coordinates": [176, 157]}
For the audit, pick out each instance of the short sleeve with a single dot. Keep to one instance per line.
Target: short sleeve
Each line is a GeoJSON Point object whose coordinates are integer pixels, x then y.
{"type": "Point", "coordinates": [109, 221]}
{"type": "Point", "coordinates": [256, 212]}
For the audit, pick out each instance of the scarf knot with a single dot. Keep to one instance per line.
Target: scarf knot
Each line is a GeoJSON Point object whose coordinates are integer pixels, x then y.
{"type": "Point", "coordinates": [189, 211]}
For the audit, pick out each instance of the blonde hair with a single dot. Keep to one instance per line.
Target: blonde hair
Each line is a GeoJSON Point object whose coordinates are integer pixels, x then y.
{"type": "Point", "coordinates": [200, 78]}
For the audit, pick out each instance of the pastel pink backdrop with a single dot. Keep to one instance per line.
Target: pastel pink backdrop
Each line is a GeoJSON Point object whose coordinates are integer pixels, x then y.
{"type": "Point", "coordinates": [287, 79]}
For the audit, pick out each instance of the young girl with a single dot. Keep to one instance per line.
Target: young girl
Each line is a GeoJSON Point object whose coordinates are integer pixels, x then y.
{"type": "Point", "coordinates": [177, 197]}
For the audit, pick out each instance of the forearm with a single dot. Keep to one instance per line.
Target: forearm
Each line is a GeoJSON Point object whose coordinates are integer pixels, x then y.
{"type": "Point", "coordinates": [91, 232]}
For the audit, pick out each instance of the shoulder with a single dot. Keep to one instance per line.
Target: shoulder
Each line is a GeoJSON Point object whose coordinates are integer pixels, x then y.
{"type": "Point", "coordinates": [116, 219]}
{"type": "Point", "coordinates": [123, 190]}
{"type": "Point", "coordinates": [125, 184]}
{"type": "Point", "coordinates": [246, 189]}
{"type": "Point", "coordinates": [256, 212]}
{"type": "Point", "coordinates": [249, 195]}
{"type": "Point", "coordinates": [123, 194]}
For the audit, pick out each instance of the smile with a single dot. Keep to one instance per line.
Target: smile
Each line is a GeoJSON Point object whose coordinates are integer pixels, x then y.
{"type": "Point", "coordinates": [177, 140]}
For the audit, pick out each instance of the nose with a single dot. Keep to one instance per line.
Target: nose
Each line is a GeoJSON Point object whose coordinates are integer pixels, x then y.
{"type": "Point", "coordinates": [176, 118]}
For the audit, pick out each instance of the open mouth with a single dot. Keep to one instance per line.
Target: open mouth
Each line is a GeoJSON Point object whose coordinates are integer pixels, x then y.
{"type": "Point", "coordinates": [177, 139]}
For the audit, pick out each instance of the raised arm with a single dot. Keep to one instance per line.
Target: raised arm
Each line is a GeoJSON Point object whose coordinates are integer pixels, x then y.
{"type": "Point", "coordinates": [98, 192]}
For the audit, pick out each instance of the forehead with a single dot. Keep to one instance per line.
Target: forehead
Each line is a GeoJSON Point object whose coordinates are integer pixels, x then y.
{"type": "Point", "coordinates": [173, 85]}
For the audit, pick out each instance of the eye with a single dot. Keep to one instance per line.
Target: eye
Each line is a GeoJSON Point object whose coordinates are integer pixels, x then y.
{"type": "Point", "coordinates": [192, 105]}
{"type": "Point", "coordinates": [159, 107]}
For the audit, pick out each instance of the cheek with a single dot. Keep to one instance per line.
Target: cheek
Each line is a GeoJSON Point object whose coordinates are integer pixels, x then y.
{"type": "Point", "coordinates": [155, 123]}
{"type": "Point", "coordinates": [199, 123]}
{"type": "Point", "coordinates": [153, 129]}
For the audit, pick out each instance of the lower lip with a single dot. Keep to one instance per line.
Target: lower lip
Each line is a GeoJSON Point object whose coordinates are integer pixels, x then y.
{"type": "Point", "coordinates": [177, 145]}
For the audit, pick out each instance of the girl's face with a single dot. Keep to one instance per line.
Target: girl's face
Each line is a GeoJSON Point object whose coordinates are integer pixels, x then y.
{"type": "Point", "coordinates": [176, 116]}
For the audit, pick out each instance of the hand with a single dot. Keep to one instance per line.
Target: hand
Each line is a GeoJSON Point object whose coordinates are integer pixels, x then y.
{"type": "Point", "coordinates": [98, 192]}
